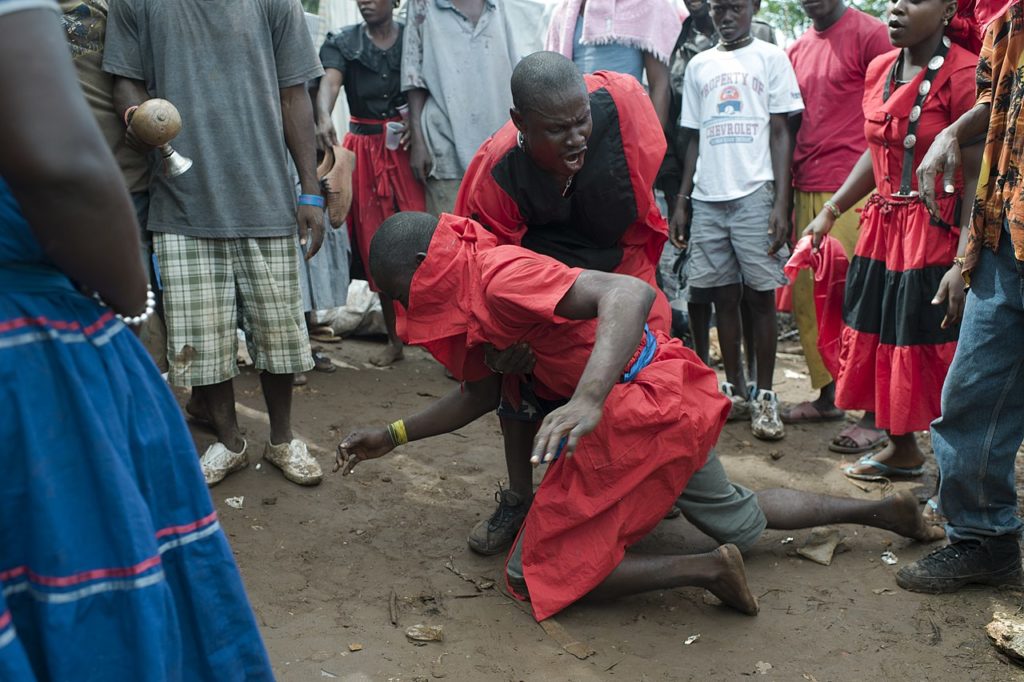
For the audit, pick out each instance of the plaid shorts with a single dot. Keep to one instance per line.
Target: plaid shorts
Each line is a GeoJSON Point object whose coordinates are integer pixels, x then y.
{"type": "Point", "coordinates": [213, 286]}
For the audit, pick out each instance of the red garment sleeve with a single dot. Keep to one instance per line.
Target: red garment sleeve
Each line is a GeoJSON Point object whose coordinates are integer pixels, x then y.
{"type": "Point", "coordinates": [876, 42]}
{"type": "Point", "coordinates": [482, 199]}
{"type": "Point", "coordinates": [960, 91]}
{"type": "Point", "coordinates": [522, 288]}
{"type": "Point", "coordinates": [643, 140]}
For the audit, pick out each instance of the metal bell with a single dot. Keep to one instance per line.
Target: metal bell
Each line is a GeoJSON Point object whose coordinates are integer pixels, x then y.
{"type": "Point", "coordinates": [174, 163]}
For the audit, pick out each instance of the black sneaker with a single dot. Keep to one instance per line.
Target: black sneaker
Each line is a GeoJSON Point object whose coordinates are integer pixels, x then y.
{"type": "Point", "coordinates": [993, 561]}
{"type": "Point", "coordinates": [496, 534]}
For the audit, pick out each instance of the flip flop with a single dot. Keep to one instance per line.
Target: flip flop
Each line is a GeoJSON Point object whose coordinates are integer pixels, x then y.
{"type": "Point", "coordinates": [807, 413]}
{"type": "Point", "coordinates": [884, 470]}
{"type": "Point", "coordinates": [851, 432]}
{"type": "Point", "coordinates": [324, 334]}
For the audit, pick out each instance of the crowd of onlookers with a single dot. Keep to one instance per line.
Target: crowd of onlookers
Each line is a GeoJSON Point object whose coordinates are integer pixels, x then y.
{"type": "Point", "coordinates": [762, 144]}
{"type": "Point", "coordinates": [861, 178]}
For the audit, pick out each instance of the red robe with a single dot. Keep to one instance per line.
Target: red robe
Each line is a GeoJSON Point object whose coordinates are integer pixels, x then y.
{"type": "Point", "coordinates": [829, 268]}
{"type": "Point", "coordinates": [655, 432]}
{"type": "Point", "coordinates": [612, 201]}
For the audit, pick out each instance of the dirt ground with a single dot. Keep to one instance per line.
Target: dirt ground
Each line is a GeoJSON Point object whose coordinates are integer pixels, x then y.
{"type": "Point", "coordinates": [321, 564]}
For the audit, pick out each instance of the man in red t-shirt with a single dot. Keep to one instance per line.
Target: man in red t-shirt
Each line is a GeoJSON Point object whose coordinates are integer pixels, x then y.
{"type": "Point", "coordinates": [830, 61]}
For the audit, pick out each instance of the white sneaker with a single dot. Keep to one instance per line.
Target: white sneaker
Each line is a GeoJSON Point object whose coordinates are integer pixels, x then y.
{"type": "Point", "coordinates": [217, 462]}
{"type": "Point", "coordinates": [295, 462]}
{"type": "Point", "coordinates": [740, 407]}
{"type": "Point", "coordinates": [765, 420]}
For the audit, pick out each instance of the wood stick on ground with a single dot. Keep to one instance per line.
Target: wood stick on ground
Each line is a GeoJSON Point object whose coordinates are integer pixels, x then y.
{"type": "Point", "coordinates": [393, 608]}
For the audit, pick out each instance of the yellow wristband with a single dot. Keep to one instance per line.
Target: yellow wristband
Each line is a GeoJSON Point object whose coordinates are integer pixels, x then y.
{"type": "Point", "coordinates": [397, 432]}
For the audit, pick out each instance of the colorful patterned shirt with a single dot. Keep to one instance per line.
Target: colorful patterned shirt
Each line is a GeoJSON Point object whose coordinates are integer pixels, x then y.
{"type": "Point", "coordinates": [1000, 190]}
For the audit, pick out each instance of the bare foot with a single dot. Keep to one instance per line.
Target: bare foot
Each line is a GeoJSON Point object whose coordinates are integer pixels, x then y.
{"type": "Point", "coordinates": [391, 354]}
{"type": "Point", "coordinates": [730, 586]}
{"type": "Point", "coordinates": [904, 517]}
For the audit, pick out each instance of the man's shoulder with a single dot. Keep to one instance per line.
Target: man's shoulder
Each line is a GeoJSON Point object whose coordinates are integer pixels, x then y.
{"type": "Point", "coordinates": [863, 21]}
{"type": "Point", "coordinates": [762, 30]}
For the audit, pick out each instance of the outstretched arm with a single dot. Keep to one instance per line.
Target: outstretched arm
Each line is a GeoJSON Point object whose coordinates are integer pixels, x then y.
{"type": "Point", "coordinates": [621, 305]}
{"type": "Point", "coordinates": [461, 406]}
{"type": "Point", "coordinates": [858, 185]}
{"type": "Point", "coordinates": [326, 97]}
{"type": "Point", "coordinates": [59, 167]}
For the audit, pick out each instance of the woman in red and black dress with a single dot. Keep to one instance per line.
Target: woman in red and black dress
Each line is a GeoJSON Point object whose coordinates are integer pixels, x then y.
{"type": "Point", "coordinates": [904, 291]}
{"type": "Point", "coordinates": [367, 59]}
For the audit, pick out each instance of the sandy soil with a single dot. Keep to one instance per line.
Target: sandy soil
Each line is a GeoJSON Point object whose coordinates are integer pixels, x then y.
{"type": "Point", "coordinates": [321, 564]}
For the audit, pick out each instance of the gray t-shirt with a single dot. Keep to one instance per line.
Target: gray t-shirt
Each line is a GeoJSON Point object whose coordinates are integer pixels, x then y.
{"type": "Point", "coordinates": [223, 65]}
{"type": "Point", "coordinates": [466, 68]}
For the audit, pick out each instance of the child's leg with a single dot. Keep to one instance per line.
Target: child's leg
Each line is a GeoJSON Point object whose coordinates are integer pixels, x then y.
{"type": "Point", "coordinates": [712, 268]}
{"type": "Point", "coordinates": [730, 331]}
{"type": "Point", "coordinates": [765, 333]}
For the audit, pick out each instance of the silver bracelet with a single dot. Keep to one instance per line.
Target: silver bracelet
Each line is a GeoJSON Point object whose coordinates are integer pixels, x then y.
{"type": "Point", "coordinates": [134, 320]}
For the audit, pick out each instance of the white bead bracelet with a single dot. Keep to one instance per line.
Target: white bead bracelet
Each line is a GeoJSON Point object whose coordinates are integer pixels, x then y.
{"type": "Point", "coordinates": [135, 320]}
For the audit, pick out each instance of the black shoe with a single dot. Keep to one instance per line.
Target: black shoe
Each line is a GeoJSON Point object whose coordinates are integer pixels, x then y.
{"type": "Point", "coordinates": [993, 561]}
{"type": "Point", "coordinates": [496, 534]}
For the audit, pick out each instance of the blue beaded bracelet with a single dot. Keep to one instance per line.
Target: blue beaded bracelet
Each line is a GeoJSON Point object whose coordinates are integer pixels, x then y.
{"type": "Point", "coordinates": [312, 200]}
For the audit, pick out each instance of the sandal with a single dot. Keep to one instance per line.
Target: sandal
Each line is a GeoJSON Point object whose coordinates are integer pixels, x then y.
{"type": "Point", "coordinates": [862, 439]}
{"type": "Point", "coordinates": [807, 413]}
{"type": "Point", "coordinates": [324, 334]}
{"type": "Point", "coordinates": [884, 470]}
{"type": "Point", "coordinates": [322, 363]}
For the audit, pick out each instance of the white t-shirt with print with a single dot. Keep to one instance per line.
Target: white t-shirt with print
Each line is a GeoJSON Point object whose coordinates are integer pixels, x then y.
{"type": "Point", "coordinates": [729, 97]}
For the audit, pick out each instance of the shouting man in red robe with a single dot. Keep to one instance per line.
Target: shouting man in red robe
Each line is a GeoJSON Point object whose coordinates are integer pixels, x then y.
{"type": "Point", "coordinates": [571, 176]}
{"type": "Point", "coordinates": [626, 436]}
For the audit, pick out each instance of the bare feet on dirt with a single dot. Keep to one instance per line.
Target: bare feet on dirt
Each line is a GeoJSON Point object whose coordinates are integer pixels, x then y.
{"type": "Point", "coordinates": [904, 517]}
{"type": "Point", "coordinates": [730, 585]}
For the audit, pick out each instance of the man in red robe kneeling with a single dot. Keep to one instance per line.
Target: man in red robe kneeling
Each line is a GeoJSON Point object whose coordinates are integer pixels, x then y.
{"type": "Point", "coordinates": [631, 413]}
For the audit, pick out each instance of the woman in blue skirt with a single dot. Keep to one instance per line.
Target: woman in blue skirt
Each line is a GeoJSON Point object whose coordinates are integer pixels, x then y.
{"type": "Point", "coordinates": [112, 563]}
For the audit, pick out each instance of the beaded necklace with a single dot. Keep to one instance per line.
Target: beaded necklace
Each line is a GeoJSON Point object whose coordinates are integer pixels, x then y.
{"type": "Point", "coordinates": [910, 141]}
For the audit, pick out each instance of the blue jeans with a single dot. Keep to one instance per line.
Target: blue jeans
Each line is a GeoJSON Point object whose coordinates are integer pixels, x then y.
{"type": "Point", "coordinates": [982, 423]}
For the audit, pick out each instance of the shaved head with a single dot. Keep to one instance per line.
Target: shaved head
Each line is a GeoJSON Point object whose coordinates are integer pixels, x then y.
{"type": "Point", "coordinates": [397, 249]}
{"type": "Point", "coordinates": [542, 76]}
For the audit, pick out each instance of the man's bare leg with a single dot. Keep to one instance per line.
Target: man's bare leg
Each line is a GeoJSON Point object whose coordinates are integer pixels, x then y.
{"type": "Point", "coordinates": [217, 402]}
{"type": "Point", "coordinates": [518, 437]}
{"type": "Point", "coordinates": [496, 534]}
{"type": "Point", "coordinates": [720, 572]}
{"type": "Point", "coordinates": [787, 509]}
{"type": "Point", "coordinates": [277, 392]}
{"type": "Point", "coordinates": [394, 351]}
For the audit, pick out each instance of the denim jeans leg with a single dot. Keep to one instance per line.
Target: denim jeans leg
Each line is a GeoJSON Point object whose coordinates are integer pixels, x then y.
{"type": "Point", "coordinates": [982, 423]}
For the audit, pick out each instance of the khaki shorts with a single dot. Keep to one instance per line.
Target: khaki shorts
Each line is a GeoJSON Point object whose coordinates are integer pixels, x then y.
{"type": "Point", "coordinates": [726, 511]}
{"type": "Point", "coordinates": [729, 243]}
{"type": "Point", "coordinates": [213, 286]}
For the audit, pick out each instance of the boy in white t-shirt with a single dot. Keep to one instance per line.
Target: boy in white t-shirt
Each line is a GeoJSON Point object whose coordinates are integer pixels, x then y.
{"type": "Point", "coordinates": [734, 214]}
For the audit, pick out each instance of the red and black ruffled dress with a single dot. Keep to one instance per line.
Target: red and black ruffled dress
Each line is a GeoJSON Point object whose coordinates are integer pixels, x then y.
{"type": "Point", "coordinates": [895, 353]}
